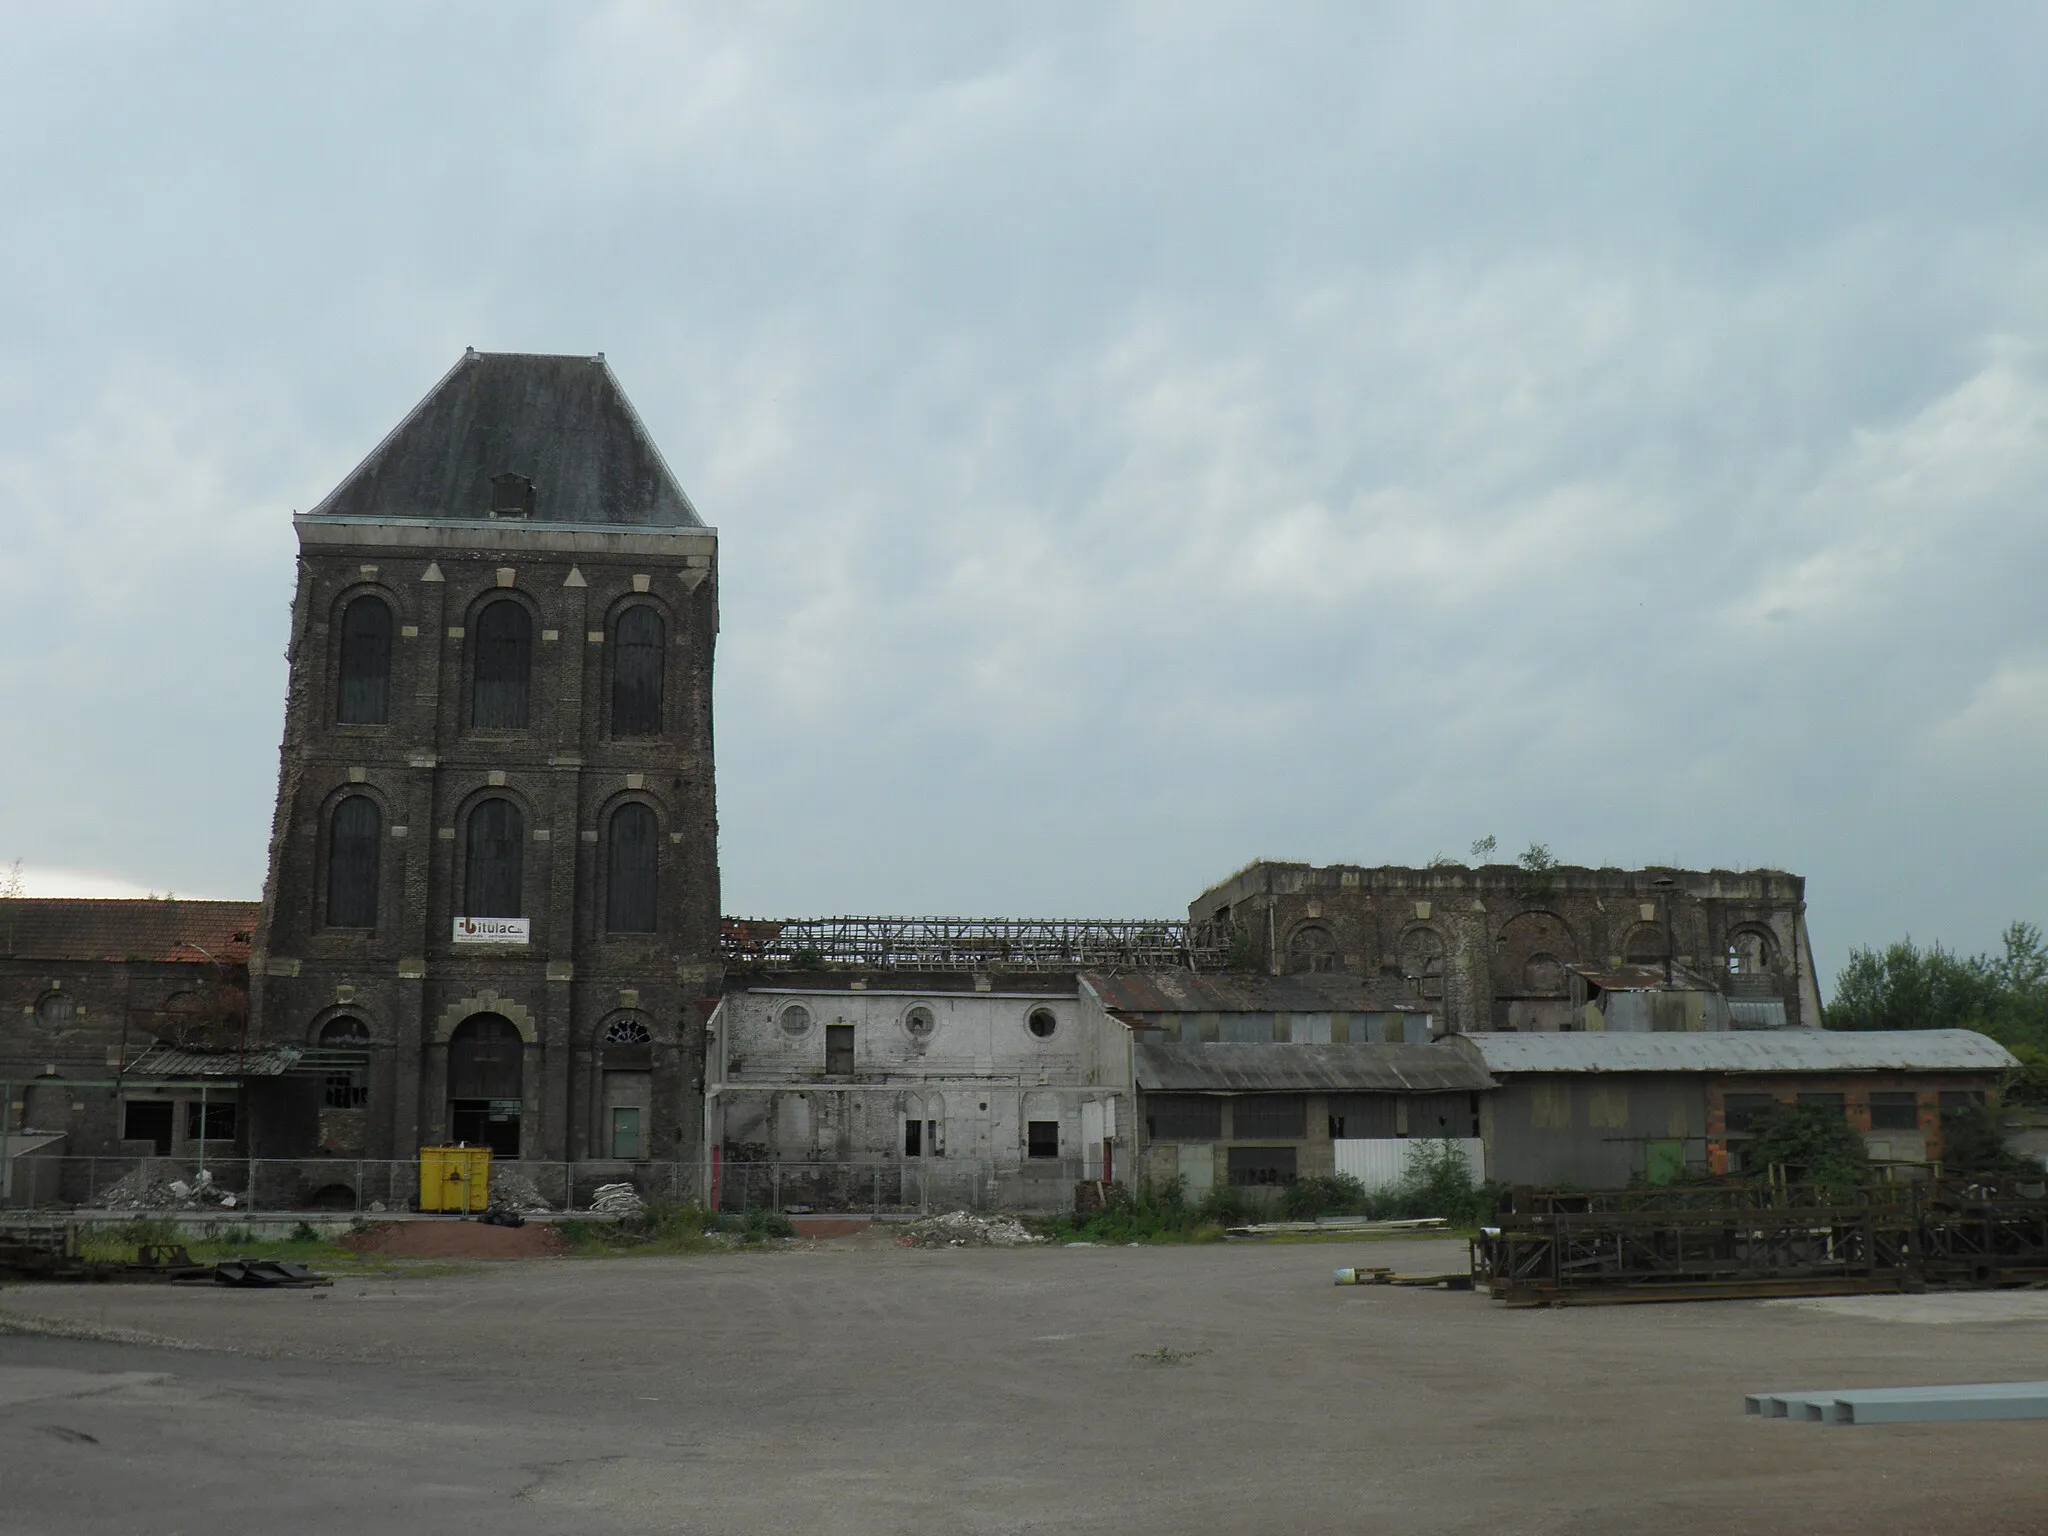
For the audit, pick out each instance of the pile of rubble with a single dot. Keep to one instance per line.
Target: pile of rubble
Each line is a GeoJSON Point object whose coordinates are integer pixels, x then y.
{"type": "Point", "coordinates": [617, 1200]}
{"type": "Point", "coordinates": [516, 1192]}
{"type": "Point", "coordinates": [149, 1190]}
{"type": "Point", "coordinates": [964, 1229]}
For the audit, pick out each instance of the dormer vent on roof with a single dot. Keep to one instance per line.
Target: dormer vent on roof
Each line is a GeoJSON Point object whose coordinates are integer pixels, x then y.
{"type": "Point", "coordinates": [511, 495]}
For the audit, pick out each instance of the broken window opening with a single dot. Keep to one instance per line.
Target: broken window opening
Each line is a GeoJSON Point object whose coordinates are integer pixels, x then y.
{"type": "Point", "coordinates": [1741, 1111]}
{"type": "Point", "coordinates": [1895, 1111]}
{"type": "Point", "coordinates": [218, 1121]}
{"type": "Point", "coordinates": [839, 1048]}
{"type": "Point", "coordinates": [1178, 1117]}
{"type": "Point", "coordinates": [1275, 1115]}
{"type": "Point", "coordinates": [1042, 1138]}
{"type": "Point", "coordinates": [913, 1138]}
{"type": "Point", "coordinates": [1255, 1166]}
{"type": "Point", "coordinates": [1042, 1023]}
{"type": "Point", "coordinates": [148, 1120]}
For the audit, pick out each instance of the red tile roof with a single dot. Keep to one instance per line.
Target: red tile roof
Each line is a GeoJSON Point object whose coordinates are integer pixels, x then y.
{"type": "Point", "coordinates": [173, 929]}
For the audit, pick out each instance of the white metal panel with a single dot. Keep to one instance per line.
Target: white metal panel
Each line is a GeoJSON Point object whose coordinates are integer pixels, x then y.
{"type": "Point", "coordinates": [1382, 1164]}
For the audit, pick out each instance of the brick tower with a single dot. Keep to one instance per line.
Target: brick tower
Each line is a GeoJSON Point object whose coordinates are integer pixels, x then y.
{"type": "Point", "coordinates": [493, 866]}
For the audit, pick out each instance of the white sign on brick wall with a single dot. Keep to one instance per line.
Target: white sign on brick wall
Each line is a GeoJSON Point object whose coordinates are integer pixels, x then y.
{"type": "Point", "coordinates": [493, 930]}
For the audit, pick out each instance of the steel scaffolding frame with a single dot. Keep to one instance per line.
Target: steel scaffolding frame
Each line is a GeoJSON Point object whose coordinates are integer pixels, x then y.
{"type": "Point", "coordinates": [1559, 1247]}
{"type": "Point", "coordinates": [976, 943]}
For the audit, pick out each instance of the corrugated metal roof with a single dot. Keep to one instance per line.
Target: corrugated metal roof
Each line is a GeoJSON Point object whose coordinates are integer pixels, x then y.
{"type": "Point", "coordinates": [1790, 1050]}
{"type": "Point", "coordinates": [1643, 978]}
{"type": "Point", "coordinates": [1298, 1068]}
{"type": "Point", "coordinates": [1233, 992]}
{"type": "Point", "coordinates": [171, 929]}
{"type": "Point", "coordinates": [257, 1061]}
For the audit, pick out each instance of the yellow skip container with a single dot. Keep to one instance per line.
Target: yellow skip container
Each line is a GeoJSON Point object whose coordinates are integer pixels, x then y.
{"type": "Point", "coordinates": [455, 1178]}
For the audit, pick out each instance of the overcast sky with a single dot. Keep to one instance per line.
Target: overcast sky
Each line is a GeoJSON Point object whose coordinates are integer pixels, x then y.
{"type": "Point", "coordinates": [1142, 438]}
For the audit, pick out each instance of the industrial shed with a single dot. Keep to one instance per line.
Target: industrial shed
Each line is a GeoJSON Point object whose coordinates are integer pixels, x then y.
{"type": "Point", "coordinates": [1261, 1116]}
{"type": "Point", "coordinates": [1598, 1110]}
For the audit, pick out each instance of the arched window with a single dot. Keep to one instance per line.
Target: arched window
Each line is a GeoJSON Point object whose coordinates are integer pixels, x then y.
{"type": "Point", "coordinates": [365, 697]}
{"type": "Point", "coordinates": [493, 882]}
{"type": "Point", "coordinates": [638, 647]}
{"type": "Point", "coordinates": [346, 1084]}
{"type": "Point", "coordinates": [353, 835]}
{"type": "Point", "coordinates": [627, 1032]}
{"type": "Point", "coordinates": [630, 883]}
{"type": "Point", "coordinates": [345, 1031]}
{"type": "Point", "coordinates": [504, 662]}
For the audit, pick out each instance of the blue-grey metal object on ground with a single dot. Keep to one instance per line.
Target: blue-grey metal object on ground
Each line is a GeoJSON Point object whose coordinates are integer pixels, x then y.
{"type": "Point", "coordinates": [1964, 1403]}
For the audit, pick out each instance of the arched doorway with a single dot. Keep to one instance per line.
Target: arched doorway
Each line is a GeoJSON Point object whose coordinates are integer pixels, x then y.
{"type": "Point", "coordinates": [486, 1083]}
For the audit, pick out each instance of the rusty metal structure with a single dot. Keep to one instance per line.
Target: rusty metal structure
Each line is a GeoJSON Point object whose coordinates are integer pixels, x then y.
{"type": "Point", "coordinates": [1559, 1248]}
{"type": "Point", "coordinates": [975, 943]}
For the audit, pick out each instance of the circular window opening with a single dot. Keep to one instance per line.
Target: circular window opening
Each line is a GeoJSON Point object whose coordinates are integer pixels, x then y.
{"type": "Point", "coordinates": [795, 1020]}
{"type": "Point", "coordinates": [1042, 1023]}
{"type": "Point", "coordinates": [921, 1022]}
{"type": "Point", "coordinates": [55, 1011]}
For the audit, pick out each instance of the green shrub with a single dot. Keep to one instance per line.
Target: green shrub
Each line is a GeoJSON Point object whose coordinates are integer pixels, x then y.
{"type": "Point", "coordinates": [1807, 1144]}
{"type": "Point", "coordinates": [1973, 1141]}
{"type": "Point", "coordinates": [1325, 1194]}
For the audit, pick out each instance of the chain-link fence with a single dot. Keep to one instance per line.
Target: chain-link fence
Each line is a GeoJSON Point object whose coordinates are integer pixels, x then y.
{"type": "Point", "coordinates": [906, 1184]}
{"type": "Point", "coordinates": [367, 1186]}
{"type": "Point", "coordinates": [364, 1186]}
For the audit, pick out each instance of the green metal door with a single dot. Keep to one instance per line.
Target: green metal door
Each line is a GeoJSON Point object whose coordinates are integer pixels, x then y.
{"type": "Point", "coordinates": [1665, 1161]}
{"type": "Point", "coordinates": [626, 1134]}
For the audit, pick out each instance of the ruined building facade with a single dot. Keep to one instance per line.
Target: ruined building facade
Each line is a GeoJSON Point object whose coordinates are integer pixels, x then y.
{"type": "Point", "coordinates": [1501, 947]}
{"type": "Point", "coordinates": [493, 864]}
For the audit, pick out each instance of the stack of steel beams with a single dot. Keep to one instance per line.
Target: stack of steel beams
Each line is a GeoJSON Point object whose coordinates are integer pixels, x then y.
{"type": "Point", "coordinates": [1905, 1405]}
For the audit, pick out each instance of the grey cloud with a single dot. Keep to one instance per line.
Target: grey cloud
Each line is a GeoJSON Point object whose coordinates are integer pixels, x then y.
{"type": "Point", "coordinates": [1142, 437]}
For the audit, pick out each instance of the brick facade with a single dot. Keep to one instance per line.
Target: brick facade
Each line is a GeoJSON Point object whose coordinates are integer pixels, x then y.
{"type": "Point", "coordinates": [1490, 948]}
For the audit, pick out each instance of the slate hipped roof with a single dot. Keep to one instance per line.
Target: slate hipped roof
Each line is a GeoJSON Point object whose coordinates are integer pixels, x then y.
{"type": "Point", "coordinates": [83, 929]}
{"type": "Point", "coordinates": [561, 422]}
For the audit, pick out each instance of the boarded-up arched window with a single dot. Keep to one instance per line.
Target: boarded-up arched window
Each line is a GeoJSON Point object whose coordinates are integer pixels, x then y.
{"type": "Point", "coordinates": [494, 873]}
{"type": "Point", "coordinates": [504, 662]}
{"type": "Point", "coordinates": [638, 645]}
{"type": "Point", "coordinates": [365, 697]}
{"type": "Point", "coordinates": [485, 1059]}
{"type": "Point", "coordinates": [630, 883]}
{"type": "Point", "coordinates": [352, 846]}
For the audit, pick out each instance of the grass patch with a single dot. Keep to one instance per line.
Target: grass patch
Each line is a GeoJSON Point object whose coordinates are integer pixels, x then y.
{"type": "Point", "coordinates": [1439, 1183]}
{"type": "Point", "coordinates": [116, 1243]}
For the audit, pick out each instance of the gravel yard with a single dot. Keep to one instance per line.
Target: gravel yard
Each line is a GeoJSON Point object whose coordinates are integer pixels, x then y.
{"type": "Point", "coordinates": [863, 1387]}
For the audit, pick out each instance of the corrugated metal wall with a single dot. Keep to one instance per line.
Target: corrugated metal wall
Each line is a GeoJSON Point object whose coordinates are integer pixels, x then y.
{"type": "Point", "coordinates": [1590, 1129]}
{"type": "Point", "coordinates": [1381, 1164]}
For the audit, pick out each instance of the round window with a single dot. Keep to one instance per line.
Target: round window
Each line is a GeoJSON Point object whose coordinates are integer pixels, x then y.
{"type": "Point", "coordinates": [921, 1022]}
{"type": "Point", "coordinates": [795, 1020]}
{"type": "Point", "coordinates": [55, 1011]}
{"type": "Point", "coordinates": [1042, 1023]}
